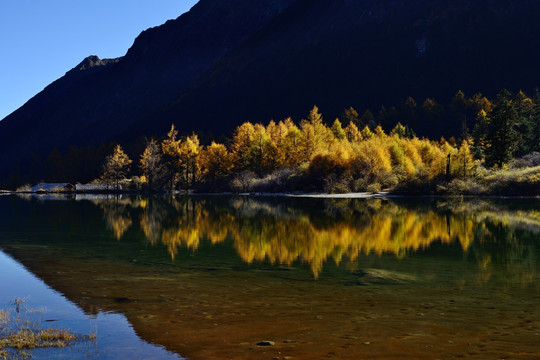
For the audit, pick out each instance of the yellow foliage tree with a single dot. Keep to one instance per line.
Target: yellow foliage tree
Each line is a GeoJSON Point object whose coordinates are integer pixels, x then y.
{"type": "Point", "coordinates": [116, 166]}
{"type": "Point", "coordinates": [315, 135]}
{"type": "Point", "coordinates": [291, 150]}
{"type": "Point", "coordinates": [189, 159]}
{"type": "Point", "coordinates": [337, 130]}
{"type": "Point", "coordinates": [262, 155]}
{"type": "Point", "coordinates": [216, 162]}
{"type": "Point", "coordinates": [367, 133]}
{"type": "Point", "coordinates": [464, 164]}
{"type": "Point", "coordinates": [241, 142]}
{"type": "Point", "coordinates": [353, 134]}
{"type": "Point", "coordinates": [151, 163]}
{"type": "Point", "coordinates": [170, 148]}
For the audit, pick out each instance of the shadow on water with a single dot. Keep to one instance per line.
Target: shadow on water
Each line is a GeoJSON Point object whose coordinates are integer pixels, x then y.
{"type": "Point", "coordinates": [210, 277]}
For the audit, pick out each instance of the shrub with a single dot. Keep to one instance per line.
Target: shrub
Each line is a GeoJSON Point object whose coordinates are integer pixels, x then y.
{"type": "Point", "coordinates": [374, 188]}
{"type": "Point", "coordinates": [24, 188]}
{"type": "Point", "coordinates": [243, 182]}
{"type": "Point", "coordinates": [465, 186]}
{"type": "Point", "coordinates": [360, 185]}
{"type": "Point", "coordinates": [529, 160]}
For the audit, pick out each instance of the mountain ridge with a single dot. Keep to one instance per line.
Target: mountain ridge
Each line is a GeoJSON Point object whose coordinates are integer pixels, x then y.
{"type": "Point", "coordinates": [226, 62]}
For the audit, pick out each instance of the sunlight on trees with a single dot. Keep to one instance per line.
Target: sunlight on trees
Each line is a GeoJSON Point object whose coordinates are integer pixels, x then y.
{"type": "Point", "coordinates": [151, 164]}
{"type": "Point", "coordinates": [315, 155]}
{"type": "Point", "coordinates": [116, 166]}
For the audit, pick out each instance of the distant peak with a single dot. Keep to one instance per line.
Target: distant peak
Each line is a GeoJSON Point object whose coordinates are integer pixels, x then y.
{"type": "Point", "coordinates": [93, 61]}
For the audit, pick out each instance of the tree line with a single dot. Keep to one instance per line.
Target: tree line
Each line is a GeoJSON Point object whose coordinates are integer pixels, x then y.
{"type": "Point", "coordinates": [359, 156]}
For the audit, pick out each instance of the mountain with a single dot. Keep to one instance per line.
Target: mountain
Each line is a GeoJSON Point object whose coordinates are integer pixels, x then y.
{"type": "Point", "coordinates": [368, 53]}
{"type": "Point", "coordinates": [95, 101]}
{"type": "Point", "coordinates": [229, 61]}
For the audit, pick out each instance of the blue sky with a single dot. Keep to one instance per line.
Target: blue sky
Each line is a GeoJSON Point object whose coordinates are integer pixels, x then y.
{"type": "Point", "coordinates": [42, 39]}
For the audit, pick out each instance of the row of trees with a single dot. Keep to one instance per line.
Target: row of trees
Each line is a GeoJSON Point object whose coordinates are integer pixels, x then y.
{"type": "Point", "coordinates": [511, 127]}
{"type": "Point", "coordinates": [316, 156]}
{"type": "Point", "coordinates": [479, 118]}
{"type": "Point", "coordinates": [326, 156]}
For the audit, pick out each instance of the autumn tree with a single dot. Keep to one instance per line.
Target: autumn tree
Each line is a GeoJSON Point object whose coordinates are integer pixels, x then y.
{"type": "Point", "coordinates": [338, 131]}
{"type": "Point", "coordinates": [352, 133]}
{"type": "Point", "coordinates": [262, 154]}
{"type": "Point", "coordinates": [189, 150]}
{"type": "Point", "coordinates": [116, 166]}
{"type": "Point", "coordinates": [480, 102]}
{"type": "Point", "coordinates": [315, 117]}
{"type": "Point", "coordinates": [525, 109]}
{"type": "Point", "coordinates": [314, 134]}
{"type": "Point", "coordinates": [367, 133]}
{"type": "Point", "coordinates": [350, 115]}
{"type": "Point", "coordinates": [290, 149]}
{"type": "Point", "coordinates": [398, 130]}
{"type": "Point", "coordinates": [151, 164]}
{"type": "Point", "coordinates": [170, 149]}
{"type": "Point", "coordinates": [216, 162]}
{"type": "Point", "coordinates": [464, 164]}
{"type": "Point", "coordinates": [240, 144]}
{"type": "Point", "coordinates": [278, 134]}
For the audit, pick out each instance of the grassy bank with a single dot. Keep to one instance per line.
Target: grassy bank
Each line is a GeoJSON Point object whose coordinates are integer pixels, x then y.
{"type": "Point", "coordinates": [21, 331]}
{"type": "Point", "coordinates": [504, 182]}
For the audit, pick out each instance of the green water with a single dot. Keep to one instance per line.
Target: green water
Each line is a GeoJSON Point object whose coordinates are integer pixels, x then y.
{"type": "Point", "coordinates": [210, 277]}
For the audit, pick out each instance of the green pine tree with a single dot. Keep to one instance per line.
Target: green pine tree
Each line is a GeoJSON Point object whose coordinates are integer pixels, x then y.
{"type": "Point", "coordinates": [502, 139]}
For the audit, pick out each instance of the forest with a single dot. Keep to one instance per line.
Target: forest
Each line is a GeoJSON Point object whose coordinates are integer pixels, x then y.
{"type": "Point", "coordinates": [497, 152]}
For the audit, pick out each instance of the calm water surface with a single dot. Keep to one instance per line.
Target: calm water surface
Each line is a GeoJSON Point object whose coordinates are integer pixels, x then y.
{"type": "Point", "coordinates": [210, 277]}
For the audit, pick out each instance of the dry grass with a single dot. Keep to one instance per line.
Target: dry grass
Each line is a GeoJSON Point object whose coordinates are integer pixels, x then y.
{"type": "Point", "coordinates": [31, 338]}
{"type": "Point", "coordinates": [524, 181]}
{"type": "Point", "coordinates": [19, 334]}
{"type": "Point", "coordinates": [4, 317]}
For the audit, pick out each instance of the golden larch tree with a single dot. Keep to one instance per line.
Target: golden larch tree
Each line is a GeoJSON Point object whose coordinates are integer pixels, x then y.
{"type": "Point", "coordinates": [151, 163]}
{"type": "Point", "coordinates": [116, 166]}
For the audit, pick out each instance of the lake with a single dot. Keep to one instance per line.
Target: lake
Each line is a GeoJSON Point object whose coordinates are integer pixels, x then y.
{"type": "Point", "coordinates": [231, 277]}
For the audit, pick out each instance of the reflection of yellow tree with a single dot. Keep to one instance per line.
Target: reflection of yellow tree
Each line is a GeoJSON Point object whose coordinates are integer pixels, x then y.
{"type": "Point", "coordinates": [117, 217]}
{"type": "Point", "coordinates": [152, 221]}
{"type": "Point", "coordinates": [266, 231]}
{"type": "Point", "coordinates": [193, 222]}
{"type": "Point", "coordinates": [261, 232]}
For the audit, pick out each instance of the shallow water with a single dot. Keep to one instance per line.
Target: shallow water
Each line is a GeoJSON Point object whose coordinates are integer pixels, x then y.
{"type": "Point", "coordinates": [210, 277]}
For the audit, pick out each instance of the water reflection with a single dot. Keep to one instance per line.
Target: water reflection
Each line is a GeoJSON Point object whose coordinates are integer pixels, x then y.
{"type": "Point", "coordinates": [427, 277]}
{"type": "Point", "coordinates": [283, 232]}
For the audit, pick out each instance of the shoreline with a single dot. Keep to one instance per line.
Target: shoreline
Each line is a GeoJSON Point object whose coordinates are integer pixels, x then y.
{"type": "Point", "coordinates": [351, 195]}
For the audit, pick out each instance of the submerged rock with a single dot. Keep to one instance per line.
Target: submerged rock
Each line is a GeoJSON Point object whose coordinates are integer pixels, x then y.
{"type": "Point", "coordinates": [266, 343]}
{"type": "Point", "coordinates": [380, 276]}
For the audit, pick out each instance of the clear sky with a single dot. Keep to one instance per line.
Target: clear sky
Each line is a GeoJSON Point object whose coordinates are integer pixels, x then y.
{"type": "Point", "coordinates": [40, 40]}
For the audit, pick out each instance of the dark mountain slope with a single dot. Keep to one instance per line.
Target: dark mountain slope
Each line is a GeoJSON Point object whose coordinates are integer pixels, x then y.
{"type": "Point", "coordinates": [336, 53]}
{"type": "Point", "coordinates": [231, 61]}
{"type": "Point", "coordinates": [94, 103]}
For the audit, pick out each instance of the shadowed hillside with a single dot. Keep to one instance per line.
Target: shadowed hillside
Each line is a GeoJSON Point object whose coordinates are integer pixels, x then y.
{"type": "Point", "coordinates": [94, 103]}
{"type": "Point", "coordinates": [226, 62]}
{"type": "Point", "coordinates": [366, 54]}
